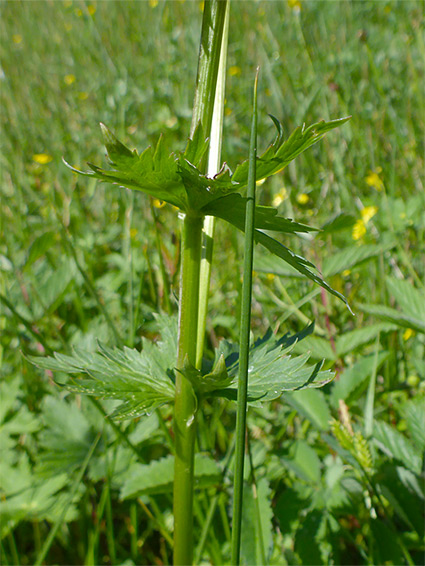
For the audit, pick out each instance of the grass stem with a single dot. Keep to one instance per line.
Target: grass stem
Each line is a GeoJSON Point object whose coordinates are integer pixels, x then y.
{"type": "Point", "coordinates": [244, 339]}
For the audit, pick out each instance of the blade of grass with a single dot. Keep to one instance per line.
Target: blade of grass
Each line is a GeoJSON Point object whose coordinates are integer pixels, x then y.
{"type": "Point", "coordinates": [244, 338]}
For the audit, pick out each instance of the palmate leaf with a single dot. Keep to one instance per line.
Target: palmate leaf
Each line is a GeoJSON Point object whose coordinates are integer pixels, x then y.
{"type": "Point", "coordinates": [280, 153]}
{"type": "Point", "coordinates": [142, 380]}
{"type": "Point", "coordinates": [272, 369]}
{"type": "Point", "coordinates": [176, 179]}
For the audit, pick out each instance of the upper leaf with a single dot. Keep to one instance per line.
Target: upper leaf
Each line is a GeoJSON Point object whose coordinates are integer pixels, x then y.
{"type": "Point", "coordinates": [280, 153]}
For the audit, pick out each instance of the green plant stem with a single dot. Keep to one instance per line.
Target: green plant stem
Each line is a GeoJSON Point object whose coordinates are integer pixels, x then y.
{"type": "Point", "coordinates": [244, 339]}
{"type": "Point", "coordinates": [185, 401]}
{"type": "Point", "coordinates": [214, 155]}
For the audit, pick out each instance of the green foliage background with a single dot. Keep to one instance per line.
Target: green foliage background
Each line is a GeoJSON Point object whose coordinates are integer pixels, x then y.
{"type": "Point", "coordinates": [82, 262]}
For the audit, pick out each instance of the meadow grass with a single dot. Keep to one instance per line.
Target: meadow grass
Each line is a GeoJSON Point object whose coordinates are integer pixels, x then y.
{"type": "Point", "coordinates": [82, 261]}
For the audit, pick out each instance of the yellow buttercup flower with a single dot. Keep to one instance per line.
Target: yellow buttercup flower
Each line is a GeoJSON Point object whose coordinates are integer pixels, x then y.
{"type": "Point", "coordinates": [359, 230]}
{"type": "Point", "coordinates": [69, 79]}
{"type": "Point", "coordinates": [153, 3]}
{"type": "Point", "coordinates": [280, 197]}
{"type": "Point", "coordinates": [303, 198]}
{"type": "Point", "coordinates": [42, 158]}
{"type": "Point", "coordinates": [234, 71]}
{"type": "Point", "coordinates": [295, 5]}
{"type": "Point", "coordinates": [374, 180]}
{"type": "Point", "coordinates": [91, 9]}
{"type": "Point", "coordinates": [408, 333]}
{"type": "Point", "coordinates": [158, 203]}
{"type": "Point", "coordinates": [368, 212]}
{"type": "Point", "coordinates": [17, 38]}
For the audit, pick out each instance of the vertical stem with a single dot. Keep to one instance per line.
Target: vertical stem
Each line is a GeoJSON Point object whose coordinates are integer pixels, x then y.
{"type": "Point", "coordinates": [212, 169]}
{"type": "Point", "coordinates": [244, 339]}
{"type": "Point", "coordinates": [185, 401]}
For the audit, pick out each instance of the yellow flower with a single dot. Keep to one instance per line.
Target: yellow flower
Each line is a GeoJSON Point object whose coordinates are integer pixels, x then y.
{"type": "Point", "coordinates": [69, 79]}
{"type": "Point", "coordinates": [78, 12]}
{"type": "Point", "coordinates": [346, 272]}
{"type": "Point", "coordinates": [374, 180]}
{"type": "Point", "coordinates": [303, 198]}
{"type": "Point", "coordinates": [83, 95]}
{"type": "Point", "coordinates": [295, 5]}
{"type": "Point", "coordinates": [359, 230]}
{"type": "Point", "coordinates": [270, 276]}
{"type": "Point", "coordinates": [153, 3]}
{"type": "Point", "coordinates": [234, 71]}
{"type": "Point", "coordinates": [408, 333]}
{"type": "Point", "coordinates": [16, 38]}
{"type": "Point", "coordinates": [280, 197]}
{"type": "Point", "coordinates": [42, 158]}
{"type": "Point", "coordinates": [158, 203]}
{"type": "Point", "coordinates": [368, 212]}
{"type": "Point", "coordinates": [91, 9]}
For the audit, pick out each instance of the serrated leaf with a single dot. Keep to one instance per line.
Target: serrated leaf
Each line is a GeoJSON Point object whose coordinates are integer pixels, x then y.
{"type": "Point", "coordinates": [355, 338]}
{"type": "Point", "coordinates": [158, 476]}
{"type": "Point", "coordinates": [142, 380]}
{"type": "Point", "coordinates": [218, 378]}
{"type": "Point", "coordinates": [312, 404]}
{"type": "Point", "coordinates": [393, 315]}
{"type": "Point", "coordinates": [232, 208]}
{"type": "Point", "coordinates": [256, 541]}
{"type": "Point", "coordinates": [397, 446]}
{"type": "Point", "coordinates": [272, 369]}
{"type": "Point", "coordinates": [353, 380]}
{"type": "Point", "coordinates": [411, 300]}
{"type": "Point", "coordinates": [66, 438]}
{"type": "Point", "coordinates": [414, 413]}
{"type": "Point", "coordinates": [280, 153]}
{"type": "Point", "coordinates": [152, 172]}
{"type": "Point", "coordinates": [352, 256]}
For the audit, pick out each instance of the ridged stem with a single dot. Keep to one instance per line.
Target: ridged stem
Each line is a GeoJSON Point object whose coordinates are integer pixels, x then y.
{"type": "Point", "coordinates": [244, 340]}
{"type": "Point", "coordinates": [185, 407]}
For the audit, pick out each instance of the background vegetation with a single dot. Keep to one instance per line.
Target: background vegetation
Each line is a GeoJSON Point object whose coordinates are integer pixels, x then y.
{"type": "Point", "coordinates": [339, 472]}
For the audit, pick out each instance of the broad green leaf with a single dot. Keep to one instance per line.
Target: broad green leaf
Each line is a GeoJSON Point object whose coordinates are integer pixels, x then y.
{"type": "Point", "coordinates": [308, 537]}
{"type": "Point", "coordinates": [256, 541]}
{"type": "Point", "coordinates": [66, 438]}
{"type": "Point", "coordinates": [158, 476]}
{"type": "Point", "coordinates": [351, 256]}
{"type": "Point", "coordinates": [232, 208]}
{"type": "Point", "coordinates": [353, 380]}
{"type": "Point", "coordinates": [414, 413]}
{"type": "Point", "coordinates": [397, 446]}
{"type": "Point", "coordinates": [303, 461]}
{"type": "Point", "coordinates": [403, 498]}
{"type": "Point", "coordinates": [142, 380]}
{"type": "Point", "coordinates": [355, 338]}
{"type": "Point", "coordinates": [411, 300]}
{"type": "Point", "coordinates": [393, 315]}
{"type": "Point", "coordinates": [386, 548]}
{"type": "Point", "coordinates": [280, 153]}
{"type": "Point", "coordinates": [312, 404]}
{"type": "Point", "coordinates": [319, 348]}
